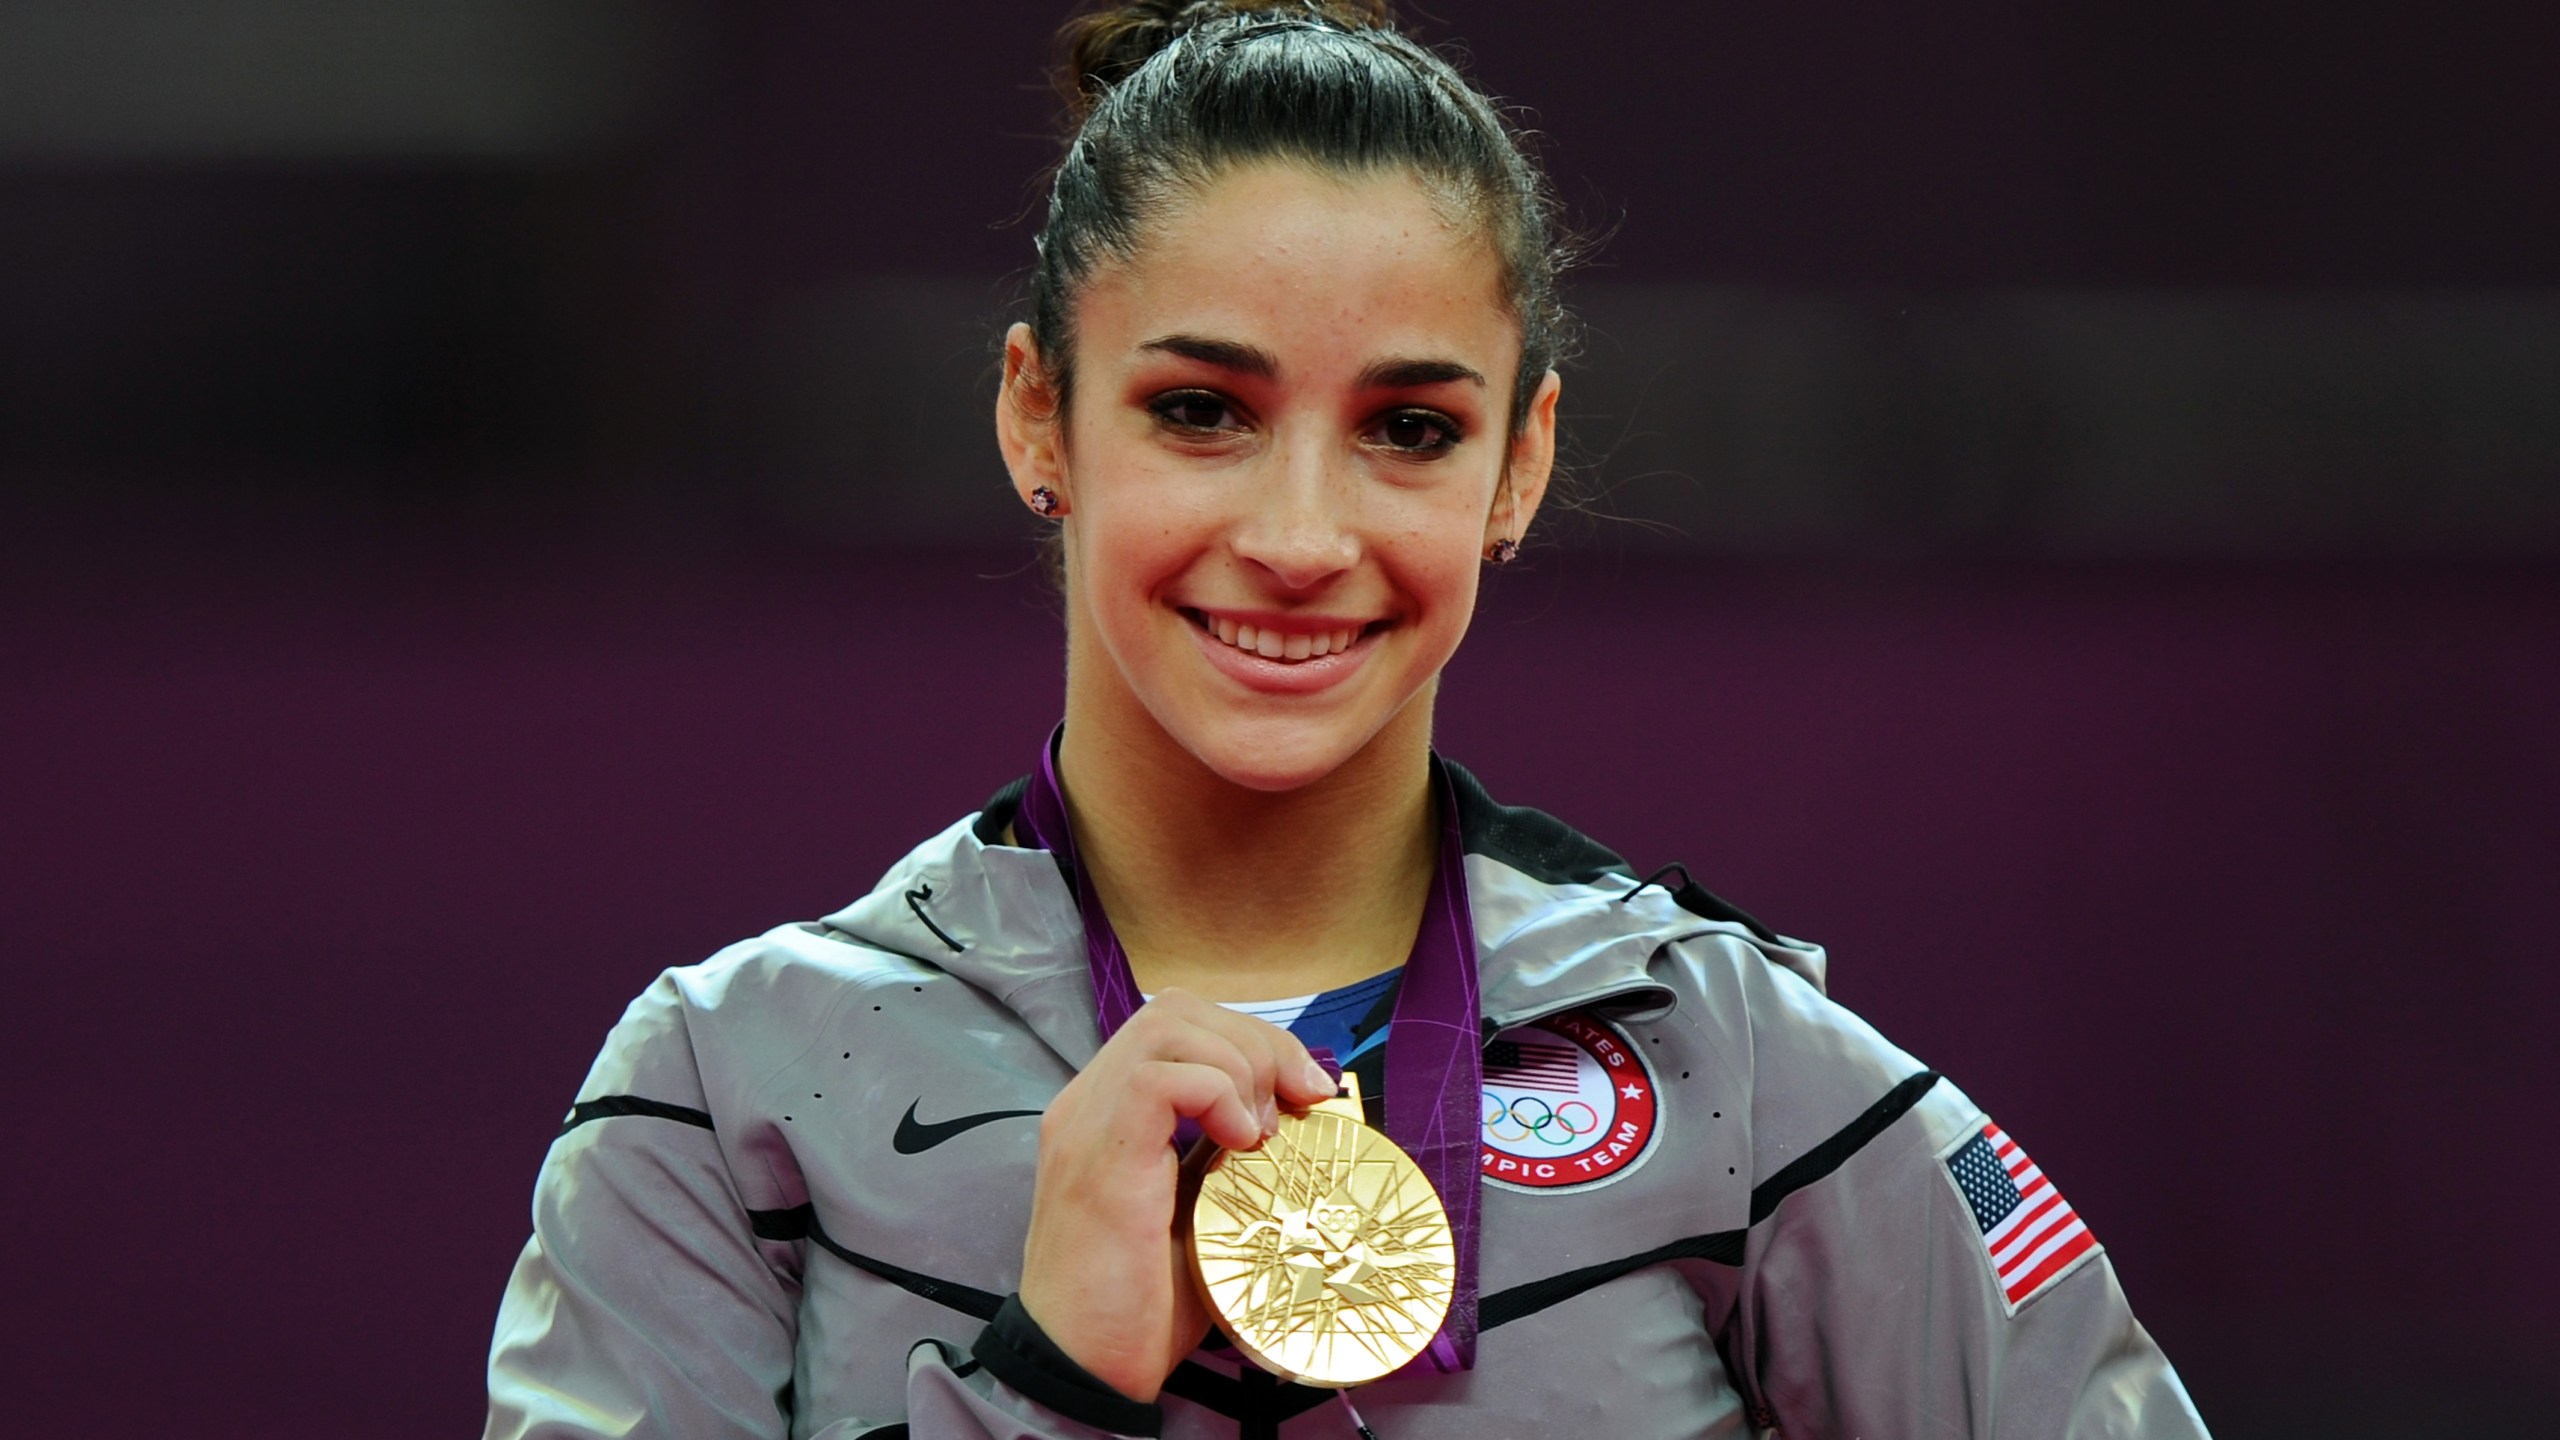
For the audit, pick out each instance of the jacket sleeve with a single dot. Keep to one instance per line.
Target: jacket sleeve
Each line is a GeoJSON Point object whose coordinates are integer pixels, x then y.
{"type": "Point", "coordinates": [1870, 1302]}
{"type": "Point", "coordinates": [644, 1305]}
{"type": "Point", "coordinates": [647, 1305]}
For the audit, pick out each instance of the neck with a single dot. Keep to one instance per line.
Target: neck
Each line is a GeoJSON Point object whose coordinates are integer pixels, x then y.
{"type": "Point", "coordinates": [1240, 894]}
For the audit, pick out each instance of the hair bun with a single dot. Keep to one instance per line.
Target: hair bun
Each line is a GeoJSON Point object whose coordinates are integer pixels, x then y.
{"type": "Point", "coordinates": [1099, 49]}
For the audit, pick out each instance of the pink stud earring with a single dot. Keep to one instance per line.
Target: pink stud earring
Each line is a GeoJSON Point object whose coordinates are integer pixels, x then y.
{"type": "Point", "coordinates": [1504, 551]}
{"type": "Point", "coordinates": [1044, 499]}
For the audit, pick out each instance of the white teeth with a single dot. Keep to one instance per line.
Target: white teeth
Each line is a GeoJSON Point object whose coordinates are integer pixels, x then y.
{"type": "Point", "coordinates": [1272, 645]}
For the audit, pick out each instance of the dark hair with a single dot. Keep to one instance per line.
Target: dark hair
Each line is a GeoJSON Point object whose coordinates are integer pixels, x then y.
{"type": "Point", "coordinates": [1164, 95]}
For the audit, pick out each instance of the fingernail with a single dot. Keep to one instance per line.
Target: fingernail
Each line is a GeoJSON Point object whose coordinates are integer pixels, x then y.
{"type": "Point", "coordinates": [1270, 1118]}
{"type": "Point", "coordinates": [1318, 1080]}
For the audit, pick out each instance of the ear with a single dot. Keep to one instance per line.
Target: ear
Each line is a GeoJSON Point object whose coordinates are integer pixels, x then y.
{"type": "Point", "coordinates": [1029, 429]}
{"type": "Point", "coordinates": [1532, 464]}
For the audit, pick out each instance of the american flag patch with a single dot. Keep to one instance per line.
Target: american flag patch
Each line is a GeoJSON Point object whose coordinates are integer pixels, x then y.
{"type": "Point", "coordinates": [2028, 1229]}
{"type": "Point", "coordinates": [1533, 1065]}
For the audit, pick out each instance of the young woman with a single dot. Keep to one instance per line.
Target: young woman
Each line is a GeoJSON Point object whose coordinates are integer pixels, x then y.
{"type": "Point", "coordinates": [1286, 388]}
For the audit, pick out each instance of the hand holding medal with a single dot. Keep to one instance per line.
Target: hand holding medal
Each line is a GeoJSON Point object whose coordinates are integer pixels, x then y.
{"type": "Point", "coordinates": [1102, 1270]}
{"type": "Point", "coordinates": [1329, 1253]}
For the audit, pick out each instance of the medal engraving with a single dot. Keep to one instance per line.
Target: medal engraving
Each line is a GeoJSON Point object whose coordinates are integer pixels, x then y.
{"type": "Point", "coordinates": [1325, 1255]}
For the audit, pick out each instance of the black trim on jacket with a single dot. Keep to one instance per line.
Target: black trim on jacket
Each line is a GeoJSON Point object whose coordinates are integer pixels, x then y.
{"type": "Point", "coordinates": [607, 1106]}
{"type": "Point", "coordinates": [1018, 1352]}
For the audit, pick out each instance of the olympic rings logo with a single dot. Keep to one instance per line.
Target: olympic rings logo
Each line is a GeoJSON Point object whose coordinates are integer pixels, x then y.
{"type": "Point", "coordinates": [1533, 1117]}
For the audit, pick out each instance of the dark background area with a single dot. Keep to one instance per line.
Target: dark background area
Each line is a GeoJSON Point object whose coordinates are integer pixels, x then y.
{"type": "Point", "coordinates": [496, 498]}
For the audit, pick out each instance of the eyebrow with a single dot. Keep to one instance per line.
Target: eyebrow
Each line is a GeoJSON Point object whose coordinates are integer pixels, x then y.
{"type": "Point", "coordinates": [1225, 354]}
{"type": "Point", "coordinates": [1253, 360]}
{"type": "Point", "coordinates": [1413, 374]}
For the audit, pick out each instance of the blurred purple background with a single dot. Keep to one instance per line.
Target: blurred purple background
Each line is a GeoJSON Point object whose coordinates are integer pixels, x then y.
{"type": "Point", "coordinates": [495, 500]}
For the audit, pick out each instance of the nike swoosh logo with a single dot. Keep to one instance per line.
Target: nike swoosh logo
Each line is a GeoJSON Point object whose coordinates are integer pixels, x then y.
{"type": "Point", "coordinates": [915, 1138]}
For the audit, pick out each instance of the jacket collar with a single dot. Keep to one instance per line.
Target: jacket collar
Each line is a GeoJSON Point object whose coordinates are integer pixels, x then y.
{"type": "Point", "coordinates": [1557, 928]}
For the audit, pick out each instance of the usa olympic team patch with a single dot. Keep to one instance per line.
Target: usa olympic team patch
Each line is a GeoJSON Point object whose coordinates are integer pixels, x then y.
{"type": "Point", "coordinates": [1567, 1102]}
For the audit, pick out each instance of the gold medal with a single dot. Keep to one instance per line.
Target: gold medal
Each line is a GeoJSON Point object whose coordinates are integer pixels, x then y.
{"type": "Point", "coordinates": [1325, 1255]}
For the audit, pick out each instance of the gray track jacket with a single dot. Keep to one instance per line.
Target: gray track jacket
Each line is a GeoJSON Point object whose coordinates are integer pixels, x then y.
{"type": "Point", "coordinates": [795, 1186]}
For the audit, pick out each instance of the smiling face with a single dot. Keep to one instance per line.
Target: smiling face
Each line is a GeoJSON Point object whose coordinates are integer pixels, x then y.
{"type": "Point", "coordinates": [1286, 453]}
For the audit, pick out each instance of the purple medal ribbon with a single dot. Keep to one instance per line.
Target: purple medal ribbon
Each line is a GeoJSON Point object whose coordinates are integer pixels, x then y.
{"type": "Point", "coordinates": [1434, 1066]}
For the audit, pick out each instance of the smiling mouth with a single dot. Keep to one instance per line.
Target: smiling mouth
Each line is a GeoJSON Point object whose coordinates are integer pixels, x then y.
{"type": "Point", "coordinates": [1287, 647]}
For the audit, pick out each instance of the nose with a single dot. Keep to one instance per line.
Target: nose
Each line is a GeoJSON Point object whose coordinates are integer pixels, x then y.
{"type": "Point", "coordinates": [1298, 521]}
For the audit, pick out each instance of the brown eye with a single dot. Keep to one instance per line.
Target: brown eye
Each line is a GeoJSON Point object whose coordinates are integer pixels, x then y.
{"type": "Point", "coordinates": [1418, 432]}
{"type": "Point", "coordinates": [1193, 410]}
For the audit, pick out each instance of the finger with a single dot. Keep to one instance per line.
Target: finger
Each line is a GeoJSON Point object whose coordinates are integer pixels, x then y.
{"type": "Point", "coordinates": [1295, 1077]}
{"type": "Point", "coordinates": [1204, 1039]}
{"type": "Point", "coordinates": [1165, 1089]}
{"type": "Point", "coordinates": [1176, 1008]}
{"type": "Point", "coordinates": [1305, 1082]}
{"type": "Point", "coordinates": [1281, 1064]}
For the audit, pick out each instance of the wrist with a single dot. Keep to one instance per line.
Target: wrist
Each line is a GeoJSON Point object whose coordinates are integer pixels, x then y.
{"type": "Point", "coordinates": [1016, 1350]}
{"type": "Point", "coordinates": [1064, 1320]}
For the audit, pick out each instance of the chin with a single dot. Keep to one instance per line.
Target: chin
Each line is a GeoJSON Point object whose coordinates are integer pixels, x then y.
{"type": "Point", "coordinates": [1273, 758]}
{"type": "Point", "coordinates": [1275, 754]}
{"type": "Point", "coordinates": [1271, 770]}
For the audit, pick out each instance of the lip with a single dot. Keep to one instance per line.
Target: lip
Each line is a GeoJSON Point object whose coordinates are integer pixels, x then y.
{"type": "Point", "coordinates": [1283, 677]}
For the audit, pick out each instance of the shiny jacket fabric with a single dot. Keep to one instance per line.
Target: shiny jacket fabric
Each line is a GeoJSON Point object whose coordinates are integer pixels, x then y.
{"type": "Point", "coordinates": [763, 1217]}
